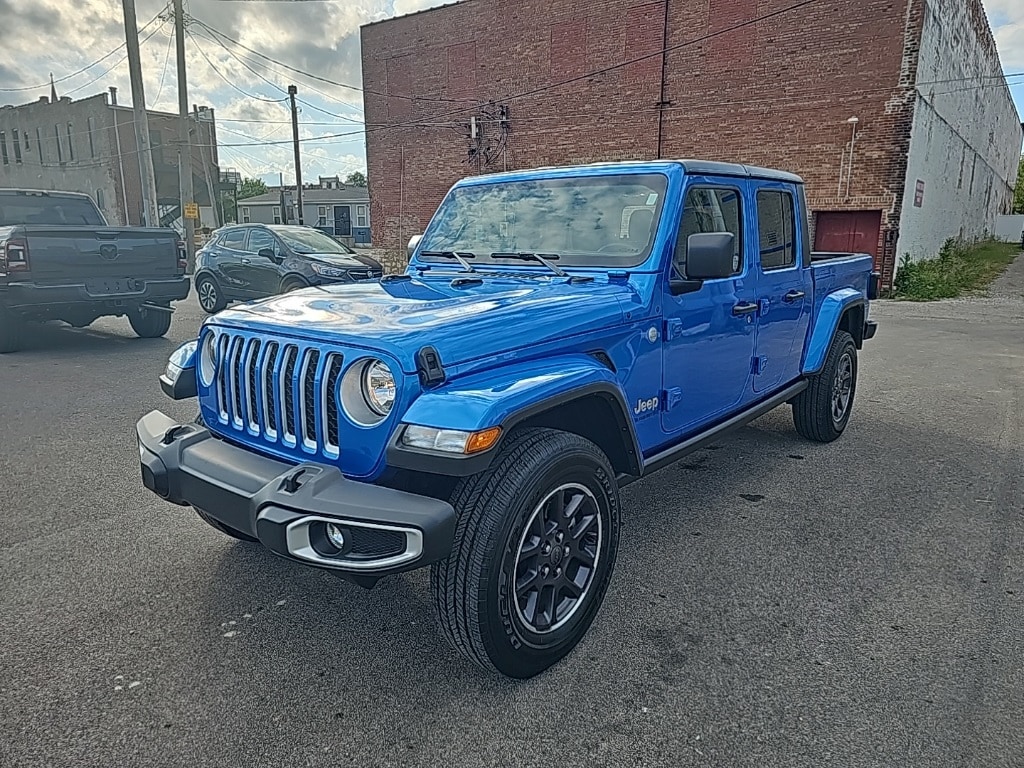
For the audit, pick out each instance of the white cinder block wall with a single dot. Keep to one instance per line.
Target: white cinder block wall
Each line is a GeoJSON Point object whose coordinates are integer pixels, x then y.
{"type": "Point", "coordinates": [966, 138]}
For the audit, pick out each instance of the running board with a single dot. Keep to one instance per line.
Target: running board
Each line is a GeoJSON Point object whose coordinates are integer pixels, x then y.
{"type": "Point", "coordinates": [695, 443]}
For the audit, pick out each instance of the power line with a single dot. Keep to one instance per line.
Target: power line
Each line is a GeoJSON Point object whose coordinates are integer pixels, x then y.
{"type": "Point", "coordinates": [116, 64]}
{"type": "Point", "coordinates": [225, 79]}
{"type": "Point", "coordinates": [163, 74]}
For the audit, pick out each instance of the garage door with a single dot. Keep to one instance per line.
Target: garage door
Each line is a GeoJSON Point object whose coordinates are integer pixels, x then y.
{"type": "Point", "coordinates": [847, 231]}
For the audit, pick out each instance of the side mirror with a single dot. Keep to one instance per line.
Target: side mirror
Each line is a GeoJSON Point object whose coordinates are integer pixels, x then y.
{"type": "Point", "coordinates": [709, 255]}
{"type": "Point", "coordinates": [267, 253]}
{"type": "Point", "coordinates": [414, 241]}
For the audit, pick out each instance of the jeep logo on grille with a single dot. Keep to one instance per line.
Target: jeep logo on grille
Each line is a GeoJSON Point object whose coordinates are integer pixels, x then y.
{"type": "Point", "coordinates": [108, 252]}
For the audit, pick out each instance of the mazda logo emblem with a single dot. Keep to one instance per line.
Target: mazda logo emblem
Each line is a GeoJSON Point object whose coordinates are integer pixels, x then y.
{"type": "Point", "coordinates": [108, 252]}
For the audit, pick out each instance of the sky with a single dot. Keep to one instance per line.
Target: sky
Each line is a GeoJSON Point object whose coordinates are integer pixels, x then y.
{"type": "Point", "coordinates": [249, 92]}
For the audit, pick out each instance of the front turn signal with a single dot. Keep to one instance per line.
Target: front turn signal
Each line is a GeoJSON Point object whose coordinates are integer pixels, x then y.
{"type": "Point", "coordinates": [482, 441]}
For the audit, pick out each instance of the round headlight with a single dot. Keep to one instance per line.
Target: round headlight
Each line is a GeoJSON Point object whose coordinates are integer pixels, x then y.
{"type": "Point", "coordinates": [379, 387]}
{"type": "Point", "coordinates": [207, 360]}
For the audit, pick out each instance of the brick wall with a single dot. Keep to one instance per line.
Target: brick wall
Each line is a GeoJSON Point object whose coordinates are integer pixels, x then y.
{"type": "Point", "coordinates": [776, 93]}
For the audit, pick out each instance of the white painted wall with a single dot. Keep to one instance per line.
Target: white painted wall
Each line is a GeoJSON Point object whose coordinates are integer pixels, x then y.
{"type": "Point", "coordinates": [966, 137]}
{"type": "Point", "coordinates": [1009, 228]}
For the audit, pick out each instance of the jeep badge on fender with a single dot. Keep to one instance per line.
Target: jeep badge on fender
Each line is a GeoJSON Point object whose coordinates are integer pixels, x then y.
{"type": "Point", "coordinates": [478, 414]}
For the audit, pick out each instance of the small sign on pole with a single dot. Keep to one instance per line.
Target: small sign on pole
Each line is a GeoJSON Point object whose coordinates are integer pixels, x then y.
{"type": "Point", "coordinates": [191, 211]}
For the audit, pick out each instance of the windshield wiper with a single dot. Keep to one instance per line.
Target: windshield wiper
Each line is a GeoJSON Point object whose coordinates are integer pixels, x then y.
{"type": "Point", "coordinates": [543, 258]}
{"type": "Point", "coordinates": [459, 256]}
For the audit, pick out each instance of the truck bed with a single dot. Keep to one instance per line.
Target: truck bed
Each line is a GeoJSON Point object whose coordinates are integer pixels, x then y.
{"type": "Point", "coordinates": [833, 271]}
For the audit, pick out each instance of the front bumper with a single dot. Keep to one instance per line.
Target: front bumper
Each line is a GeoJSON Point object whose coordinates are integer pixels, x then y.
{"type": "Point", "coordinates": [287, 506]}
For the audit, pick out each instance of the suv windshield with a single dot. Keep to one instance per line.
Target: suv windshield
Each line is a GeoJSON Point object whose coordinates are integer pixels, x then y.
{"type": "Point", "coordinates": [605, 221]}
{"type": "Point", "coordinates": [306, 240]}
{"type": "Point", "coordinates": [21, 208]}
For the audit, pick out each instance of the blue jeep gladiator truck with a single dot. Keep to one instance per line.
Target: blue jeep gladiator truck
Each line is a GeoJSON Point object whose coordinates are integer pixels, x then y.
{"type": "Point", "coordinates": [558, 333]}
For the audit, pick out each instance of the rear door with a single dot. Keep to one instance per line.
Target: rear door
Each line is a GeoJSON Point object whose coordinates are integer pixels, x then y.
{"type": "Point", "coordinates": [230, 254]}
{"type": "Point", "coordinates": [709, 333]}
{"type": "Point", "coordinates": [783, 286]}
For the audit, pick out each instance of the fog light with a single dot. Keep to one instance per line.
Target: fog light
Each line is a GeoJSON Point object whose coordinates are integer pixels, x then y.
{"type": "Point", "coordinates": [336, 536]}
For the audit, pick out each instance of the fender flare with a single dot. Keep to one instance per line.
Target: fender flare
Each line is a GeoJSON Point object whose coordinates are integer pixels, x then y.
{"type": "Point", "coordinates": [506, 397]}
{"type": "Point", "coordinates": [833, 308]}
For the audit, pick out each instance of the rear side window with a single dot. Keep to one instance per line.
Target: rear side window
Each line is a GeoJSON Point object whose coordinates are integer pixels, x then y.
{"type": "Point", "coordinates": [235, 239]}
{"type": "Point", "coordinates": [776, 229]}
{"type": "Point", "coordinates": [710, 209]}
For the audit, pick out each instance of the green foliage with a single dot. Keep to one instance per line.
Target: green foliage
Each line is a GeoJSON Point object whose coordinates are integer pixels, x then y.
{"type": "Point", "coordinates": [960, 267]}
{"type": "Point", "coordinates": [356, 179]}
{"type": "Point", "coordinates": [251, 188]}
{"type": "Point", "coordinates": [1018, 192]}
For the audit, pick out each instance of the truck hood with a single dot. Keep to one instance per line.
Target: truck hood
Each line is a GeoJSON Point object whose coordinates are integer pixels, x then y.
{"type": "Point", "coordinates": [399, 317]}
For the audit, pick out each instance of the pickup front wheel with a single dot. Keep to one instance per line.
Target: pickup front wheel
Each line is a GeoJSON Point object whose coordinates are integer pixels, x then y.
{"type": "Point", "coordinates": [534, 551]}
{"type": "Point", "coordinates": [822, 411]}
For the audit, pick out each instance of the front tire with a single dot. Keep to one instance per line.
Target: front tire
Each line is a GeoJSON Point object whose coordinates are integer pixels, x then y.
{"type": "Point", "coordinates": [149, 323]}
{"type": "Point", "coordinates": [534, 551]}
{"type": "Point", "coordinates": [822, 411]}
{"type": "Point", "coordinates": [293, 284]}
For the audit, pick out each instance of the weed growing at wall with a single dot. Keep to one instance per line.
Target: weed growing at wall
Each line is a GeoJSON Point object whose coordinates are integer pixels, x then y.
{"type": "Point", "coordinates": [961, 267]}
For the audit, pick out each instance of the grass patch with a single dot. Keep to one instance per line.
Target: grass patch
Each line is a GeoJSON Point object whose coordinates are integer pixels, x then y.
{"type": "Point", "coordinates": [960, 268]}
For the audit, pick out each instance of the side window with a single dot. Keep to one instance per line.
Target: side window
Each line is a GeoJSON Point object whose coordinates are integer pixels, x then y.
{"type": "Point", "coordinates": [260, 239]}
{"type": "Point", "coordinates": [710, 209]}
{"type": "Point", "coordinates": [235, 240]}
{"type": "Point", "coordinates": [776, 229]}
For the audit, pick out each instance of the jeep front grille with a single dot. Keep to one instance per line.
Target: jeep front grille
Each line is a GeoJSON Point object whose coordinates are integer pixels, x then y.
{"type": "Point", "coordinates": [279, 391]}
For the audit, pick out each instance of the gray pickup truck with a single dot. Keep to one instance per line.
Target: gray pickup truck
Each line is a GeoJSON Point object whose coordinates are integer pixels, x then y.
{"type": "Point", "coordinates": [60, 260]}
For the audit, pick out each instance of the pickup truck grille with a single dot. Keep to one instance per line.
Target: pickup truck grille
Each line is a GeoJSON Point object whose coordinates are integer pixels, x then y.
{"type": "Point", "coordinates": [282, 392]}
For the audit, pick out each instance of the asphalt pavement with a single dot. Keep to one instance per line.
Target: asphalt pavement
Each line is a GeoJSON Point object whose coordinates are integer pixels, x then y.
{"type": "Point", "coordinates": [775, 602]}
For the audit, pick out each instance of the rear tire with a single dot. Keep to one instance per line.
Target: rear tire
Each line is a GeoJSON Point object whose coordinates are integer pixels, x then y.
{"type": "Point", "coordinates": [225, 529]}
{"type": "Point", "coordinates": [149, 323]}
{"type": "Point", "coordinates": [822, 411]}
{"type": "Point", "coordinates": [211, 298]}
{"type": "Point", "coordinates": [534, 551]}
{"type": "Point", "coordinates": [12, 331]}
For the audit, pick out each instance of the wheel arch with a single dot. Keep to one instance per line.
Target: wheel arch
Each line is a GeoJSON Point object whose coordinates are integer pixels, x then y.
{"type": "Point", "coordinates": [843, 310]}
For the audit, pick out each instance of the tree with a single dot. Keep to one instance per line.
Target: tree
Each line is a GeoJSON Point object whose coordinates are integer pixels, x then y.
{"type": "Point", "coordinates": [251, 188]}
{"type": "Point", "coordinates": [1018, 193]}
{"type": "Point", "coordinates": [356, 179]}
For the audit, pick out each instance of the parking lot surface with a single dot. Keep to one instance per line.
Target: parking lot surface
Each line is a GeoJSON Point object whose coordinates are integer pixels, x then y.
{"type": "Point", "coordinates": [775, 603]}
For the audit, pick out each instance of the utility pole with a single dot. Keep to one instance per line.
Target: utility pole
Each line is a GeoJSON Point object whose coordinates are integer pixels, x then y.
{"type": "Point", "coordinates": [185, 187]}
{"type": "Point", "coordinates": [292, 90]}
{"type": "Point", "coordinates": [150, 216]}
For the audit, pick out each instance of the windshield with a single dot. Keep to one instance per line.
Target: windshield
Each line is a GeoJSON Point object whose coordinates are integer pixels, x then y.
{"type": "Point", "coordinates": [306, 240]}
{"type": "Point", "coordinates": [43, 209]}
{"type": "Point", "coordinates": [606, 221]}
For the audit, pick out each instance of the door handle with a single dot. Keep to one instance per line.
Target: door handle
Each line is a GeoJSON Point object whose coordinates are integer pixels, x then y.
{"type": "Point", "coordinates": [744, 308]}
{"type": "Point", "coordinates": [792, 296]}
{"type": "Point", "coordinates": [246, 261]}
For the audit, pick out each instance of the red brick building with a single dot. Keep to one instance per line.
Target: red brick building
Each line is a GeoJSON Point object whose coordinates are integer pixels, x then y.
{"type": "Point", "coordinates": [485, 85]}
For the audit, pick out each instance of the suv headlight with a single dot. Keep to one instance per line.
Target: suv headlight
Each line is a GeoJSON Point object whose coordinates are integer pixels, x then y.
{"type": "Point", "coordinates": [325, 271]}
{"type": "Point", "coordinates": [207, 360]}
{"type": "Point", "coordinates": [379, 387]}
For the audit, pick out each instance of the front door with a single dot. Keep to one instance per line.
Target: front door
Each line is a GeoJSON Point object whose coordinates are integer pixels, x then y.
{"type": "Point", "coordinates": [709, 334]}
{"type": "Point", "coordinates": [783, 290]}
{"type": "Point", "coordinates": [342, 221]}
{"type": "Point", "coordinates": [264, 274]}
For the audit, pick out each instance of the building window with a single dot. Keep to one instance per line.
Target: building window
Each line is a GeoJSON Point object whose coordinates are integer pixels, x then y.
{"type": "Point", "coordinates": [245, 214]}
{"type": "Point", "coordinates": [776, 228]}
{"type": "Point", "coordinates": [360, 215]}
{"type": "Point", "coordinates": [16, 143]}
{"type": "Point", "coordinates": [39, 145]}
{"type": "Point", "coordinates": [60, 149]}
{"type": "Point", "coordinates": [277, 214]}
{"type": "Point", "coordinates": [3, 148]}
{"type": "Point", "coordinates": [92, 146]}
{"type": "Point", "coordinates": [26, 141]}
{"type": "Point", "coordinates": [71, 143]}
{"type": "Point", "coordinates": [321, 213]}
{"type": "Point", "coordinates": [99, 200]}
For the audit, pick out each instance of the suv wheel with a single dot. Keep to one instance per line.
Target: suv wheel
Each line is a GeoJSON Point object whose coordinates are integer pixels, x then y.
{"type": "Point", "coordinates": [12, 329]}
{"type": "Point", "coordinates": [822, 411]}
{"type": "Point", "coordinates": [534, 551]}
{"type": "Point", "coordinates": [293, 284]}
{"type": "Point", "coordinates": [149, 323]}
{"type": "Point", "coordinates": [208, 292]}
